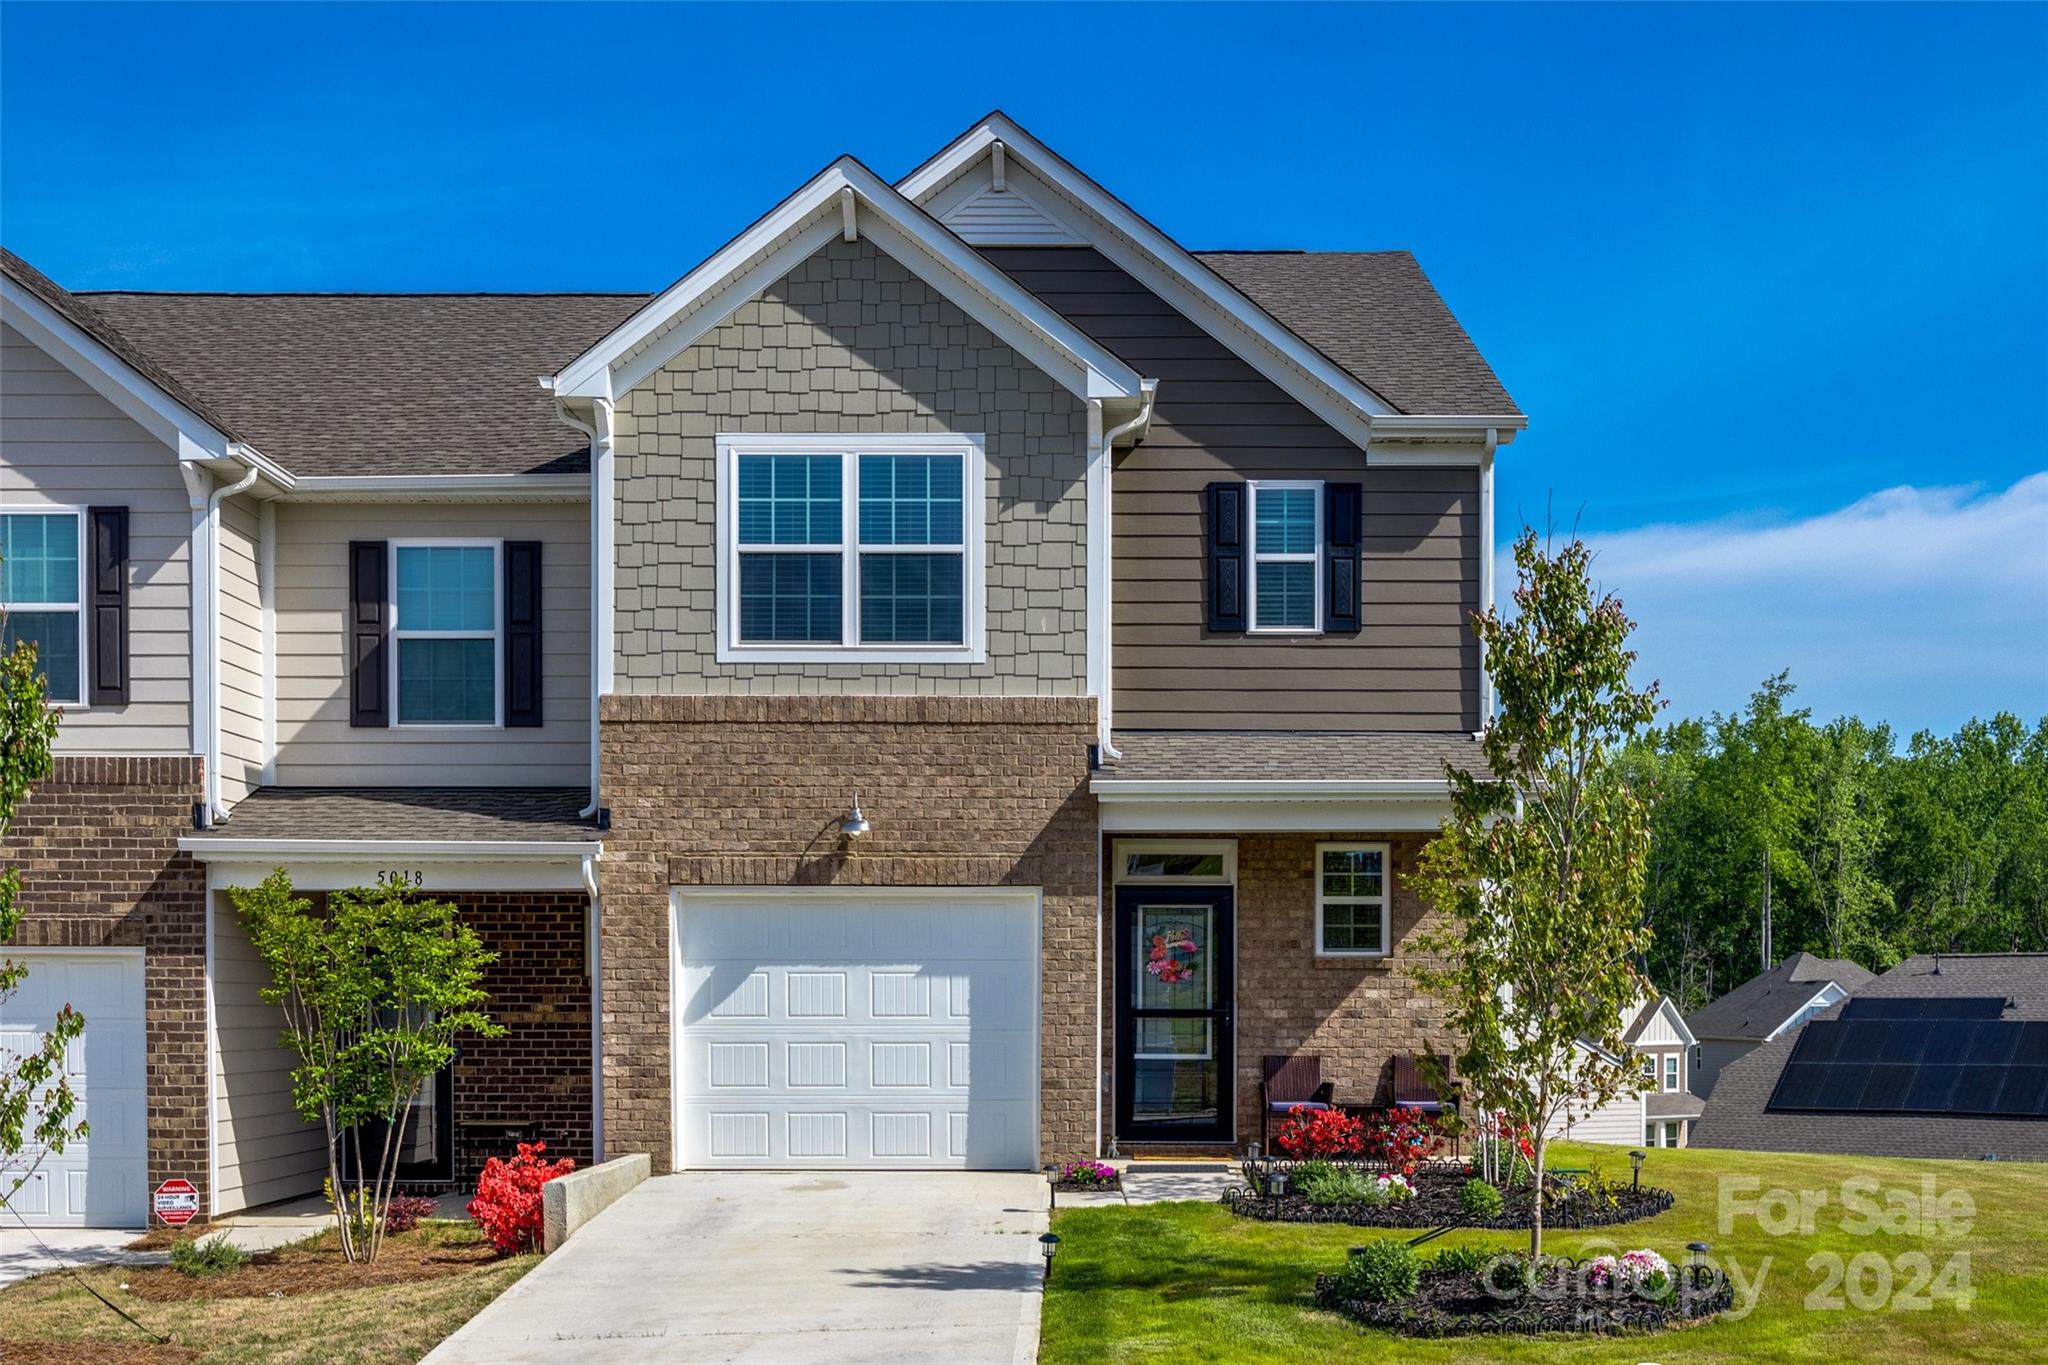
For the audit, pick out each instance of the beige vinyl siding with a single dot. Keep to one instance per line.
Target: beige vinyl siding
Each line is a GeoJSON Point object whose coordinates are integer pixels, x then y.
{"type": "Point", "coordinates": [1413, 666]}
{"type": "Point", "coordinates": [315, 744]}
{"type": "Point", "coordinates": [263, 1150]}
{"type": "Point", "coordinates": [1618, 1121]}
{"type": "Point", "coordinates": [241, 652]}
{"type": "Point", "coordinates": [62, 444]}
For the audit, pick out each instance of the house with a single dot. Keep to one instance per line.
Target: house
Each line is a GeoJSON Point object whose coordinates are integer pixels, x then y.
{"type": "Point", "coordinates": [1661, 1115]}
{"type": "Point", "coordinates": [952, 681]}
{"type": "Point", "coordinates": [1768, 1006]}
{"type": "Point", "coordinates": [1942, 1056]}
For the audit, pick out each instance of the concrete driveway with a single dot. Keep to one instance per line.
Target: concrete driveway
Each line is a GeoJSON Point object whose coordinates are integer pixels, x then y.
{"type": "Point", "coordinates": [787, 1268]}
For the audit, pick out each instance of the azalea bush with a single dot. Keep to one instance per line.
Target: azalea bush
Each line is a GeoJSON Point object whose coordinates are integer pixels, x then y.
{"type": "Point", "coordinates": [1088, 1173]}
{"type": "Point", "coordinates": [508, 1205]}
{"type": "Point", "coordinates": [1329, 1134]}
{"type": "Point", "coordinates": [1402, 1138]}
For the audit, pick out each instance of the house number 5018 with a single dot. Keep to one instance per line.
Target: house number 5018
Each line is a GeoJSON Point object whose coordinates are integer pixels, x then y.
{"type": "Point", "coordinates": [400, 876]}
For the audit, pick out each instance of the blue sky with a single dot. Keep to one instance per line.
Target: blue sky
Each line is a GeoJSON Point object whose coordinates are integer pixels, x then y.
{"type": "Point", "coordinates": [1772, 281]}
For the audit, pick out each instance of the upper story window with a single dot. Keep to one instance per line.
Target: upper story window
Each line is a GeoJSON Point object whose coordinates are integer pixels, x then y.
{"type": "Point", "coordinates": [850, 547]}
{"type": "Point", "coordinates": [1671, 1071]}
{"type": "Point", "coordinates": [446, 629]}
{"type": "Point", "coordinates": [1286, 558]}
{"type": "Point", "coordinates": [42, 588]}
{"type": "Point", "coordinates": [1354, 911]}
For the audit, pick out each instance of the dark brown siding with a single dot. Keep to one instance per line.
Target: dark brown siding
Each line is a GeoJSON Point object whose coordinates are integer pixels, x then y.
{"type": "Point", "coordinates": [1413, 666]}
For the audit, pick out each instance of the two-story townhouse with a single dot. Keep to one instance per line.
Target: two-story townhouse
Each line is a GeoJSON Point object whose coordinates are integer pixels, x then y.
{"type": "Point", "coordinates": [1018, 656]}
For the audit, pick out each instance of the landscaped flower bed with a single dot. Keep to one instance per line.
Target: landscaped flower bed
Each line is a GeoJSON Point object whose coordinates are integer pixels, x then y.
{"type": "Point", "coordinates": [1458, 1294]}
{"type": "Point", "coordinates": [1080, 1176]}
{"type": "Point", "coordinates": [1350, 1192]}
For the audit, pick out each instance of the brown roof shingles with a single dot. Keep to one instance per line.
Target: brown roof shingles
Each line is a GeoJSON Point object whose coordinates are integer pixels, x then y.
{"type": "Point", "coordinates": [367, 813]}
{"type": "Point", "coordinates": [1285, 755]}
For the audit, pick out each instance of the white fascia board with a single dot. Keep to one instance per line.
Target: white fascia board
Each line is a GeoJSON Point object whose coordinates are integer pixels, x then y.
{"type": "Point", "coordinates": [431, 487]}
{"type": "Point", "coordinates": [1670, 1011]}
{"type": "Point", "coordinates": [799, 226]}
{"type": "Point", "coordinates": [357, 850]}
{"type": "Point", "coordinates": [1278, 789]}
{"type": "Point", "coordinates": [1819, 998]}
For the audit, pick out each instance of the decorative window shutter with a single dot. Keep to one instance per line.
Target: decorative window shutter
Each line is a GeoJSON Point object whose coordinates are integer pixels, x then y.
{"type": "Point", "coordinates": [1225, 555]}
{"type": "Point", "coordinates": [107, 607]}
{"type": "Point", "coordinates": [369, 630]}
{"type": "Point", "coordinates": [1343, 546]}
{"type": "Point", "coordinates": [522, 633]}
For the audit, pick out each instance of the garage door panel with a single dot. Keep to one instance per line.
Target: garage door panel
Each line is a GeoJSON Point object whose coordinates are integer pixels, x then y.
{"type": "Point", "coordinates": [828, 1031]}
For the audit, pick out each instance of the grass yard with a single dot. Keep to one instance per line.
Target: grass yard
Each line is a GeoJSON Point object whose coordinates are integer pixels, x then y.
{"type": "Point", "coordinates": [1191, 1282]}
{"type": "Point", "coordinates": [425, 1284]}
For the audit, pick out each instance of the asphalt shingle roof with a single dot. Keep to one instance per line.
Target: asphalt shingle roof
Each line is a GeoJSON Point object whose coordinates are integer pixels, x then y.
{"type": "Point", "coordinates": [494, 813]}
{"type": "Point", "coordinates": [1760, 1004]}
{"type": "Point", "coordinates": [1376, 314]}
{"type": "Point", "coordinates": [1268, 755]}
{"type": "Point", "coordinates": [329, 384]}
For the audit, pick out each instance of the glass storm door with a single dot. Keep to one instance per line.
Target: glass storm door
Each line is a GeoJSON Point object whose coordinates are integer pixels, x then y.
{"type": "Point", "coordinates": [1175, 1045]}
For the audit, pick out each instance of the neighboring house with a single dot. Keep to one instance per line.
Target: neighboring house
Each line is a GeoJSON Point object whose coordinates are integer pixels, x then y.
{"type": "Point", "coordinates": [953, 681]}
{"type": "Point", "coordinates": [1659, 1116]}
{"type": "Point", "coordinates": [1942, 1056]}
{"type": "Point", "coordinates": [1767, 1007]}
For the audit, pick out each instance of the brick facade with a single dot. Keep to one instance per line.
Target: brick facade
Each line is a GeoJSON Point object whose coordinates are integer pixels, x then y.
{"type": "Point", "coordinates": [97, 846]}
{"type": "Point", "coordinates": [1354, 1013]}
{"type": "Point", "coordinates": [539, 1072]}
{"type": "Point", "coordinates": [961, 791]}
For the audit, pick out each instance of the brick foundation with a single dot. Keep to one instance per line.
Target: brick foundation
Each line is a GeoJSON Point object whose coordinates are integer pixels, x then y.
{"type": "Point", "coordinates": [961, 791]}
{"type": "Point", "coordinates": [97, 846]}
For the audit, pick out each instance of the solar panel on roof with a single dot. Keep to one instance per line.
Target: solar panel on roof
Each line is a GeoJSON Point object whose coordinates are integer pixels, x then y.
{"type": "Point", "coordinates": [1797, 1086]}
{"type": "Point", "coordinates": [1862, 1040]}
{"type": "Point", "coordinates": [1904, 1041]}
{"type": "Point", "coordinates": [1818, 1041]}
{"type": "Point", "coordinates": [2033, 1047]}
{"type": "Point", "coordinates": [1976, 1089]}
{"type": "Point", "coordinates": [1888, 1087]}
{"type": "Point", "coordinates": [1993, 1043]}
{"type": "Point", "coordinates": [2024, 1087]}
{"type": "Point", "coordinates": [1933, 1083]}
{"type": "Point", "coordinates": [1919, 1056]}
{"type": "Point", "coordinates": [1924, 1007]}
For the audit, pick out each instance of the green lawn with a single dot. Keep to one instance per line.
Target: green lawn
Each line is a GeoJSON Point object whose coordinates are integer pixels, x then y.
{"type": "Point", "coordinates": [1191, 1282]}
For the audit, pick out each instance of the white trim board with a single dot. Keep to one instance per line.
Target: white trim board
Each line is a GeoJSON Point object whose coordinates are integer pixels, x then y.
{"type": "Point", "coordinates": [794, 230]}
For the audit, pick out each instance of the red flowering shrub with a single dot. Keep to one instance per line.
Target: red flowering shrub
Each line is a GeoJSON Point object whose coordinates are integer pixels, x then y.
{"type": "Point", "coordinates": [507, 1203]}
{"type": "Point", "coordinates": [404, 1212]}
{"type": "Point", "coordinates": [1325, 1134]}
{"type": "Point", "coordinates": [1400, 1138]}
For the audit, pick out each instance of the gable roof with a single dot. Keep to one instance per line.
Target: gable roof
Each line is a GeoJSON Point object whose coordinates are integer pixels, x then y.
{"type": "Point", "coordinates": [1376, 314]}
{"type": "Point", "coordinates": [1756, 1008]}
{"type": "Point", "coordinates": [1652, 1007]}
{"type": "Point", "coordinates": [362, 384]}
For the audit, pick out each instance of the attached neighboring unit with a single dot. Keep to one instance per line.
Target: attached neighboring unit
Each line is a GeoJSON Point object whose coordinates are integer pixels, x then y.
{"type": "Point", "coordinates": [1122, 592]}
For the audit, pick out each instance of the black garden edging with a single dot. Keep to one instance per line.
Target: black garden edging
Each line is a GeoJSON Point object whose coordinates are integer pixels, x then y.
{"type": "Point", "coordinates": [1450, 1303]}
{"type": "Point", "coordinates": [1435, 1205]}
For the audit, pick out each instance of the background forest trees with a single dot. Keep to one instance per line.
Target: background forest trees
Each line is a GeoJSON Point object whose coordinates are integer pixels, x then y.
{"type": "Point", "coordinates": [1871, 852]}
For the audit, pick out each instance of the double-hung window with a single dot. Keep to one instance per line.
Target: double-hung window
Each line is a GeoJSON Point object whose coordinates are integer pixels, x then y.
{"type": "Point", "coordinates": [1353, 903]}
{"type": "Point", "coordinates": [446, 632]}
{"type": "Point", "coordinates": [850, 547]}
{"type": "Point", "coordinates": [42, 587]}
{"type": "Point", "coordinates": [1286, 558]}
{"type": "Point", "coordinates": [1671, 1071]}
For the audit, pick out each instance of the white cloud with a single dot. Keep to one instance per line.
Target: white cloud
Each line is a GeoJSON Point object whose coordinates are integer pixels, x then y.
{"type": "Point", "coordinates": [1917, 606]}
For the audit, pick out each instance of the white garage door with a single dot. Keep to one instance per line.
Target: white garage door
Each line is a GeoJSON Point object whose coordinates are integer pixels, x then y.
{"type": "Point", "coordinates": [100, 1180]}
{"type": "Point", "coordinates": [827, 1029]}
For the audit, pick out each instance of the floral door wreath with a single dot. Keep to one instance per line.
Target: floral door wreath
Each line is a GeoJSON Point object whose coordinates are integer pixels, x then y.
{"type": "Point", "coordinates": [1174, 956]}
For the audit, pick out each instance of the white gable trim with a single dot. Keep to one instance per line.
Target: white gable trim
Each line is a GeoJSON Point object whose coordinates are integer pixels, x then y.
{"type": "Point", "coordinates": [1830, 993]}
{"type": "Point", "coordinates": [989, 216]}
{"type": "Point", "coordinates": [799, 226]}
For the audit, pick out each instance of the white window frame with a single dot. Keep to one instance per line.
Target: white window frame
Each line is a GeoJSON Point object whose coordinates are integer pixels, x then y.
{"type": "Point", "coordinates": [1253, 558]}
{"type": "Point", "coordinates": [1651, 1131]}
{"type": "Point", "coordinates": [850, 446]}
{"type": "Point", "coordinates": [1386, 898]}
{"type": "Point", "coordinates": [1673, 1130]}
{"type": "Point", "coordinates": [77, 608]}
{"type": "Point", "coordinates": [1650, 1067]}
{"type": "Point", "coordinates": [1122, 849]}
{"type": "Point", "coordinates": [497, 635]}
{"type": "Point", "coordinates": [1672, 1070]}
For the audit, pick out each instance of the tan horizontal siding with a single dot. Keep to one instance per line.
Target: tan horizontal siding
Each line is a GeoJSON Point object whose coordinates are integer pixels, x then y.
{"type": "Point", "coordinates": [241, 653]}
{"type": "Point", "coordinates": [1413, 666]}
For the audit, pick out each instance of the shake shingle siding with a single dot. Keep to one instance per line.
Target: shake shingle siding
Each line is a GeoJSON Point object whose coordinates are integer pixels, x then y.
{"type": "Point", "coordinates": [1414, 665]}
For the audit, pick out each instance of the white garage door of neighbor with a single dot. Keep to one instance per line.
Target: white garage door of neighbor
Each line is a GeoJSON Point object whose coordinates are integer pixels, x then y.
{"type": "Point", "coordinates": [823, 1029]}
{"type": "Point", "coordinates": [99, 1180]}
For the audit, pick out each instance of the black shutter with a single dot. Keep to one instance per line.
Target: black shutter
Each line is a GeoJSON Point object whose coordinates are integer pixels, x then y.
{"type": "Point", "coordinates": [1343, 542]}
{"type": "Point", "coordinates": [522, 633]}
{"type": "Point", "coordinates": [369, 628]}
{"type": "Point", "coordinates": [107, 607]}
{"type": "Point", "coordinates": [1225, 554]}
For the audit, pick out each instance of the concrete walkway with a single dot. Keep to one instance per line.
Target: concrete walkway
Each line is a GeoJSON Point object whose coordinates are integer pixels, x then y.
{"type": "Point", "coordinates": [785, 1269]}
{"type": "Point", "coordinates": [23, 1253]}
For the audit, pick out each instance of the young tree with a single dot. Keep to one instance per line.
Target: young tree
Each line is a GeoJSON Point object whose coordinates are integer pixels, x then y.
{"type": "Point", "coordinates": [375, 992]}
{"type": "Point", "coordinates": [1539, 871]}
{"type": "Point", "coordinates": [36, 1101]}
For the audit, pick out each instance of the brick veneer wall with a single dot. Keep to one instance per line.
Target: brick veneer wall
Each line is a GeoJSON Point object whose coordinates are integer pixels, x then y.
{"type": "Point", "coordinates": [539, 1071]}
{"type": "Point", "coordinates": [852, 341]}
{"type": "Point", "coordinates": [961, 791]}
{"type": "Point", "coordinates": [1353, 1012]}
{"type": "Point", "coordinates": [97, 846]}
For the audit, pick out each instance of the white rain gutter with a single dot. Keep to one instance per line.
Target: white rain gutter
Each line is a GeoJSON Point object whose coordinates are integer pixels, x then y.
{"type": "Point", "coordinates": [1486, 567]}
{"type": "Point", "coordinates": [205, 594]}
{"type": "Point", "coordinates": [1150, 389]}
{"type": "Point", "coordinates": [594, 957]}
{"type": "Point", "coordinates": [600, 436]}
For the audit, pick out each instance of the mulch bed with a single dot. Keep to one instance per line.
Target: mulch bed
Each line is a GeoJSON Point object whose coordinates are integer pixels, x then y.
{"type": "Point", "coordinates": [1090, 1186]}
{"type": "Point", "coordinates": [84, 1351]}
{"type": "Point", "coordinates": [292, 1272]}
{"type": "Point", "coordinates": [1457, 1303]}
{"type": "Point", "coordinates": [1435, 1205]}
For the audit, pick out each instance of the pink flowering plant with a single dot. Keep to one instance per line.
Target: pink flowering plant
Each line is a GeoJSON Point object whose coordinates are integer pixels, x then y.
{"type": "Point", "coordinates": [1641, 1271]}
{"type": "Point", "coordinates": [1093, 1173]}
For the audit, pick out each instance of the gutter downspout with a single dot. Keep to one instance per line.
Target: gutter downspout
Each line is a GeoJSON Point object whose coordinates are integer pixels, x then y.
{"type": "Point", "coordinates": [600, 579]}
{"type": "Point", "coordinates": [1150, 388]}
{"type": "Point", "coordinates": [215, 815]}
{"type": "Point", "coordinates": [1486, 568]}
{"type": "Point", "coordinates": [594, 954]}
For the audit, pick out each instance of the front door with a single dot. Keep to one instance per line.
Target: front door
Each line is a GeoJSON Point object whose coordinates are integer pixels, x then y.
{"type": "Point", "coordinates": [1175, 1042]}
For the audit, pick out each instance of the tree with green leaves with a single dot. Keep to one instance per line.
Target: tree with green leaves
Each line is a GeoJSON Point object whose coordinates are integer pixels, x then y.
{"type": "Point", "coordinates": [376, 987]}
{"type": "Point", "coordinates": [1539, 871]}
{"type": "Point", "coordinates": [36, 1099]}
